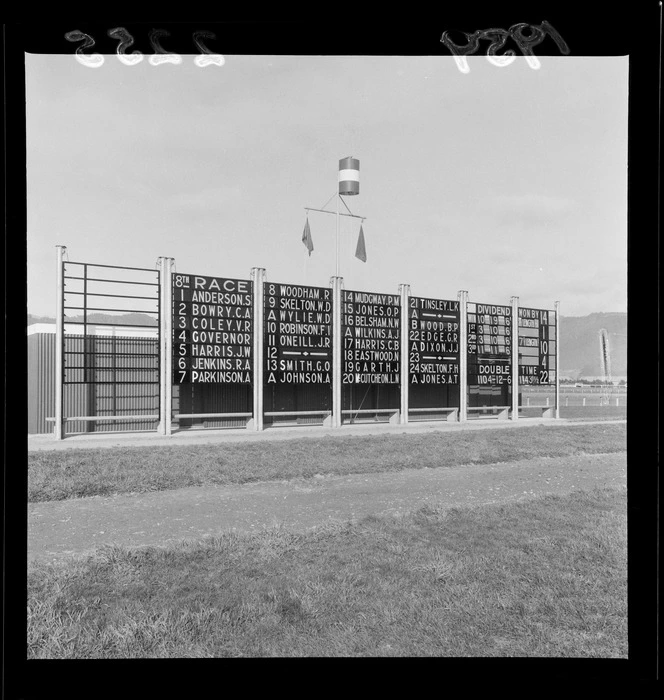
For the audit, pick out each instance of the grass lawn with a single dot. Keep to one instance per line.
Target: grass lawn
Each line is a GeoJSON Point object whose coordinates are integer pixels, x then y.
{"type": "Point", "coordinates": [57, 475]}
{"type": "Point", "coordinates": [543, 578]}
{"type": "Point", "coordinates": [593, 412]}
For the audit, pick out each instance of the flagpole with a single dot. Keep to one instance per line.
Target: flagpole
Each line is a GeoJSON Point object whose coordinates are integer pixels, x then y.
{"type": "Point", "coordinates": [338, 197]}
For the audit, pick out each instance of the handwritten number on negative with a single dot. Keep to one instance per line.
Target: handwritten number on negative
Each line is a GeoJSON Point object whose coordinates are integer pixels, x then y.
{"type": "Point", "coordinates": [126, 40]}
{"type": "Point", "coordinates": [89, 60]}
{"type": "Point", "coordinates": [207, 58]}
{"type": "Point", "coordinates": [498, 37]}
{"type": "Point", "coordinates": [161, 55]}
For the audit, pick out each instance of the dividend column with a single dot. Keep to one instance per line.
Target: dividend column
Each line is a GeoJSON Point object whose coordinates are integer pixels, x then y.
{"type": "Point", "coordinates": [59, 339]}
{"type": "Point", "coordinates": [404, 291]}
{"type": "Point", "coordinates": [462, 296]}
{"type": "Point", "coordinates": [258, 279]}
{"type": "Point", "coordinates": [515, 357]}
{"type": "Point", "coordinates": [336, 283]}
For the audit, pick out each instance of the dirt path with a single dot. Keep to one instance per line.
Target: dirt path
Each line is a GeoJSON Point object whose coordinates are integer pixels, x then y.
{"type": "Point", "coordinates": [198, 437]}
{"type": "Point", "coordinates": [79, 525]}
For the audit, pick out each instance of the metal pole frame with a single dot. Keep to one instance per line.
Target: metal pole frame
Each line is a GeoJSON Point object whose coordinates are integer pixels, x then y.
{"type": "Point", "coordinates": [325, 211]}
{"type": "Point", "coordinates": [404, 291]}
{"type": "Point", "coordinates": [59, 341]}
{"type": "Point", "coordinates": [337, 214]}
{"type": "Point", "coordinates": [258, 280]}
{"type": "Point", "coordinates": [337, 267]}
{"type": "Point", "coordinates": [462, 296]}
{"type": "Point", "coordinates": [515, 357]}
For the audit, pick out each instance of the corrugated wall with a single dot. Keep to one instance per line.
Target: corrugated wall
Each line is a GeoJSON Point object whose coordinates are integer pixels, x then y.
{"type": "Point", "coordinates": [369, 396]}
{"type": "Point", "coordinates": [110, 359]}
{"type": "Point", "coordinates": [213, 398]}
{"type": "Point", "coordinates": [127, 360]}
{"type": "Point", "coordinates": [433, 395]}
{"type": "Point", "coordinates": [139, 364]}
{"type": "Point", "coordinates": [296, 397]}
{"type": "Point", "coordinates": [41, 384]}
{"type": "Point", "coordinates": [122, 378]}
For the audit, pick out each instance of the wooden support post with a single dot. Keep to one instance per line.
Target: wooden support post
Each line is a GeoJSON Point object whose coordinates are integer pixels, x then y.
{"type": "Point", "coordinates": [59, 341]}
{"type": "Point", "coordinates": [404, 292]}
{"type": "Point", "coordinates": [463, 356]}
{"type": "Point", "coordinates": [258, 281]}
{"type": "Point", "coordinates": [515, 358]}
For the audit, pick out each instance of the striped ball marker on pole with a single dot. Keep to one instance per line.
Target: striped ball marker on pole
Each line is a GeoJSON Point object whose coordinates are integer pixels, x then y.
{"type": "Point", "coordinates": [349, 176]}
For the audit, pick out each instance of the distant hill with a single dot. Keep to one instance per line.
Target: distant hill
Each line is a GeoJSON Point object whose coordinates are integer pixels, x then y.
{"type": "Point", "coordinates": [131, 319]}
{"type": "Point", "coordinates": [579, 347]}
{"type": "Point", "coordinates": [39, 319]}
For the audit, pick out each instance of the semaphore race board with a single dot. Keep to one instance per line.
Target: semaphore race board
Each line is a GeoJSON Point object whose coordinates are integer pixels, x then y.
{"type": "Point", "coordinates": [212, 330]}
{"type": "Point", "coordinates": [433, 341]}
{"type": "Point", "coordinates": [298, 334]}
{"type": "Point", "coordinates": [537, 346]}
{"type": "Point", "coordinates": [489, 344]}
{"type": "Point", "coordinates": [370, 329]}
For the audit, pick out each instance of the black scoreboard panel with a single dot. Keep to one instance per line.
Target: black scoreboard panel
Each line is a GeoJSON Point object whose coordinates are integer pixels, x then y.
{"type": "Point", "coordinates": [371, 334]}
{"type": "Point", "coordinates": [433, 341]}
{"type": "Point", "coordinates": [489, 345]}
{"type": "Point", "coordinates": [537, 346]}
{"type": "Point", "coordinates": [298, 334]}
{"type": "Point", "coordinates": [212, 330]}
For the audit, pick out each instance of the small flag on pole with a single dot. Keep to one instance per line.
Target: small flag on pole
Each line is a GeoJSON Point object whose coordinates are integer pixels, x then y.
{"type": "Point", "coordinates": [361, 251]}
{"type": "Point", "coordinates": [306, 237]}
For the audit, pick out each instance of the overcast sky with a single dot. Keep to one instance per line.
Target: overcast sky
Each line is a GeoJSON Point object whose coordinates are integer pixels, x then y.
{"type": "Point", "coordinates": [500, 181]}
